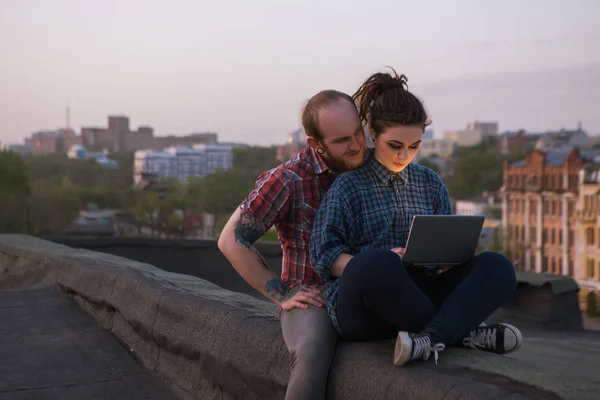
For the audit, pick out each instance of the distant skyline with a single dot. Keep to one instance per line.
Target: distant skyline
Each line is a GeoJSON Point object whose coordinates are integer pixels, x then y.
{"type": "Point", "coordinates": [244, 69]}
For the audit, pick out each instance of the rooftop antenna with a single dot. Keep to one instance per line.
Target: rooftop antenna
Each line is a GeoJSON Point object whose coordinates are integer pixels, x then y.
{"type": "Point", "coordinates": [68, 118]}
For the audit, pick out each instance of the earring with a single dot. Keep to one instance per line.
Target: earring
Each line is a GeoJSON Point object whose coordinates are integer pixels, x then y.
{"type": "Point", "coordinates": [320, 151]}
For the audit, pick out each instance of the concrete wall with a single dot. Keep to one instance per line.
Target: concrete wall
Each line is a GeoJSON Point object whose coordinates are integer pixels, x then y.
{"type": "Point", "coordinates": [200, 258]}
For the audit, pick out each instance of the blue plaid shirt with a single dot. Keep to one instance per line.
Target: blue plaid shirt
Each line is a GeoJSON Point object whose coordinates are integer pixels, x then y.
{"type": "Point", "coordinates": [371, 208]}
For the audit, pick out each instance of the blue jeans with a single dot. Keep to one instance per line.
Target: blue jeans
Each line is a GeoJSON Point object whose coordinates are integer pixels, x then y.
{"type": "Point", "coordinates": [378, 296]}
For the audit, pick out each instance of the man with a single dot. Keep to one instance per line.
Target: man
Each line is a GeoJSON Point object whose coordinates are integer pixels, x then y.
{"type": "Point", "coordinates": [288, 197]}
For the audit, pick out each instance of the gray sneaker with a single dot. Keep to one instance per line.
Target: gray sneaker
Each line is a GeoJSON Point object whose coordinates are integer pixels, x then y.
{"type": "Point", "coordinates": [411, 346]}
{"type": "Point", "coordinates": [497, 338]}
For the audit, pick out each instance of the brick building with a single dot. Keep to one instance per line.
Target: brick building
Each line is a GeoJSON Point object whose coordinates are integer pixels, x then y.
{"type": "Point", "coordinates": [539, 198]}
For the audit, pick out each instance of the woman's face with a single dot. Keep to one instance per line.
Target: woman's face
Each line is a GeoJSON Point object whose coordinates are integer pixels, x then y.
{"type": "Point", "coordinates": [397, 146]}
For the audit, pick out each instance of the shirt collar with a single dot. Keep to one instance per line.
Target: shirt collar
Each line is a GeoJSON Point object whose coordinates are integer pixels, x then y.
{"type": "Point", "coordinates": [317, 162]}
{"type": "Point", "coordinates": [384, 174]}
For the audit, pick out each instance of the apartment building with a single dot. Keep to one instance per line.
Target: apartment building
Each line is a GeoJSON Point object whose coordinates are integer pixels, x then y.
{"type": "Point", "coordinates": [539, 197]}
{"type": "Point", "coordinates": [182, 162]}
{"type": "Point", "coordinates": [587, 257]}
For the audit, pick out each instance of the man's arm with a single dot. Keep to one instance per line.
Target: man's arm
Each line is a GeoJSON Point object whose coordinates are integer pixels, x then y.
{"type": "Point", "coordinates": [237, 244]}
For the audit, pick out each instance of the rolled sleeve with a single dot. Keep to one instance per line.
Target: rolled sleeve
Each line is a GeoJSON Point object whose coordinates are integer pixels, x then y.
{"type": "Point", "coordinates": [333, 229]}
{"type": "Point", "coordinates": [268, 202]}
{"type": "Point", "coordinates": [443, 204]}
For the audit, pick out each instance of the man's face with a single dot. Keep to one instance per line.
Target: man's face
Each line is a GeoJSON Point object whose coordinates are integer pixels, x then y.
{"type": "Point", "coordinates": [343, 136]}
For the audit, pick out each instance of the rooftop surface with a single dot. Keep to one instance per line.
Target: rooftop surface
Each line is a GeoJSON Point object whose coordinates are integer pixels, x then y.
{"type": "Point", "coordinates": [52, 349]}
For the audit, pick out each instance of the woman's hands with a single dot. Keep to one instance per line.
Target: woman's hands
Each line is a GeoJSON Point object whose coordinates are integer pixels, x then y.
{"type": "Point", "coordinates": [399, 251]}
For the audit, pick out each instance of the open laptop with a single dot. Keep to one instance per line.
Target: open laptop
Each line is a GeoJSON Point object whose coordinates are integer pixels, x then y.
{"type": "Point", "coordinates": [442, 240]}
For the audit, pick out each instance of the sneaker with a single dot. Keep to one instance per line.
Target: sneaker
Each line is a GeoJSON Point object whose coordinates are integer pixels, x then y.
{"type": "Point", "coordinates": [410, 346]}
{"type": "Point", "coordinates": [496, 338]}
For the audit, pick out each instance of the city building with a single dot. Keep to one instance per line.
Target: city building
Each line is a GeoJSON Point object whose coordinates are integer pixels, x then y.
{"type": "Point", "coordinates": [587, 257]}
{"type": "Point", "coordinates": [485, 128]}
{"type": "Point", "coordinates": [181, 162]}
{"type": "Point", "coordinates": [79, 152]}
{"type": "Point", "coordinates": [48, 142]}
{"type": "Point", "coordinates": [115, 138]}
{"type": "Point", "coordinates": [297, 137]}
{"type": "Point", "coordinates": [564, 139]}
{"type": "Point", "coordinates": [436, 147]}
{"type": "Point", "coordinates": [509, 141]}
{"type": "Point", "coordinates": [485, 205]}
{"type": "Point", "coordinates": [539, 196]}
{"type": "Point", "coordinates": [464, 138]}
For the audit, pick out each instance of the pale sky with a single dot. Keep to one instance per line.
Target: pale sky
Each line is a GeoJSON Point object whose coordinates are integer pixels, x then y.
{"type": "Point", "coordinates": [245, 68]}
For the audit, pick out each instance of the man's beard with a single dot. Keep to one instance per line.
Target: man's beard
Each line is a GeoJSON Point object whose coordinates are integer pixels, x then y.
{"type": "Point", "coordinates": [340, 164]}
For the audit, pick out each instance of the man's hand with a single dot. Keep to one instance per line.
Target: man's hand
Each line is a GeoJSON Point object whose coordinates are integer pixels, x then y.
{"type": "Point", "coordinates": [399, 251]}
{"type": "Point", "coordinates": [303, 298]}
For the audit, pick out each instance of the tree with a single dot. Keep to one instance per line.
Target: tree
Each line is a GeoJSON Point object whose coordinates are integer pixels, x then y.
{"type": "Point", "coordinates": [479, 169]}
{"type": "Point", "coordinates": [14, 192]}
{"type": "Point", "coordinates": [222, 191]}
{"type": "Point", "coordinates": [54, 206]}
{"type": "Point", "coordinates": [429, 164]}
{"type": "Point", "coordinates": [254, 160]}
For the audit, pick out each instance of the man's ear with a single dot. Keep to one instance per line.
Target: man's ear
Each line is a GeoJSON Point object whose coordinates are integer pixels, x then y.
{"type": "Point", "coordinates": [312, 142]}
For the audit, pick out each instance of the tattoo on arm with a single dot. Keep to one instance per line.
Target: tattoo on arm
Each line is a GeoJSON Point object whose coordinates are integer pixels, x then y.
{"type": "Point", "coordinates": [277, 289]}
{"type": "Point", "coordinates": [246, 233]}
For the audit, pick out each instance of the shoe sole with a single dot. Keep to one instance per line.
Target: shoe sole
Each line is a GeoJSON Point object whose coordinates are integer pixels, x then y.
{"type": "Point", "coordinates": [403, 349]}
{"type": "Point", "coordinates": [518, 335]}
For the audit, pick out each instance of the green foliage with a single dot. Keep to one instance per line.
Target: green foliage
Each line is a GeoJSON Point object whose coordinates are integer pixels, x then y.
{"type": "Point", "coordinates": [254, 160]}
{"type": "Point", "coordinates": [222, 191]}
{"type": "Point", "coordinates": [479, 169]}
{"type": "Point", "coordinates": [429, 164]}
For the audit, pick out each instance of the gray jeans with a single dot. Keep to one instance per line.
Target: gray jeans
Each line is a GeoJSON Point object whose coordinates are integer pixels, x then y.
{"type": "Point", "coordinates": [310, 338]}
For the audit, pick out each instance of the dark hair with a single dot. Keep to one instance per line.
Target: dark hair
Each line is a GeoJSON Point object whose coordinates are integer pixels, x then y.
{"type": "Point", "coordinates": [384, 101]}
{"type": "Point", "coordinates": [310, 115]}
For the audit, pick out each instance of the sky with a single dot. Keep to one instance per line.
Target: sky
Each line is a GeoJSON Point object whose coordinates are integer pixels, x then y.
{"type": "Point", "coordinates": [244, 69]}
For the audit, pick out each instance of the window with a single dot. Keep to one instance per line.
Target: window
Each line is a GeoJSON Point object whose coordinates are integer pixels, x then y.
{"type": "Point", "coordinates": [553, 212]}
{"type": "Point", "coordinates": [589, 236]}
{"type": "Point", "coordinates": [545, 265]}
{"type": "Point", "coordinates": [570, 272]}
{"type": "Point", "coordinates": [545, 206]}
{"type": "Point", "coordinates": [560, 236]}
{"type": "Point", "coordinates": [532, 234]}
{"type": "Point", "coordinates": [561, 181]}
{"type": "Point", "coordinates": [533, 207]}
{"type": "Point", "coordinates": [560, 208]}
{"type": "Point", "coordinates": [590, 268]}
{"type": "Point", "coordinates": [571, 237]}
{"type": "Point", "coordinates": [553, 240]}
{"type": "Point", "coordinates": [558, 265]}
{"type": "Point", "coordinates": [553, 266]}
{"type": "Point", "coordinates": [544, 236]}
{"type": "Point", "coordinates": [570, 208]}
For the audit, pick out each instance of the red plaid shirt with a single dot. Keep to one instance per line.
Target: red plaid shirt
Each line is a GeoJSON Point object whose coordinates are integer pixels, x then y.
{"type": "Point", "coordinates": [288, 197]}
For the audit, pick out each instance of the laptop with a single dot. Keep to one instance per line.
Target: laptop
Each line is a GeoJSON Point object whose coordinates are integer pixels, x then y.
{"type": "Point", "coordinates": [442, 240]}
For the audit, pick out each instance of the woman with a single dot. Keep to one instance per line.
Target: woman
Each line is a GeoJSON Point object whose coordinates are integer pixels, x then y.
{"type": "Point", "coordinates": [360, 231]}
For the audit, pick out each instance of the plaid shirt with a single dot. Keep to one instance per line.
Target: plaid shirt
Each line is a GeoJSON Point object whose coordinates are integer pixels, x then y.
{"type": "Point", "coordinates": [371, 208]}
{"type": "Point", "coordinates": [288, 197]}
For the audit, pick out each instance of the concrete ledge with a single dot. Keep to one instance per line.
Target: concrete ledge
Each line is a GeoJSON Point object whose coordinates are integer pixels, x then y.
{"type": "Point", "coordinates": [210, 343]}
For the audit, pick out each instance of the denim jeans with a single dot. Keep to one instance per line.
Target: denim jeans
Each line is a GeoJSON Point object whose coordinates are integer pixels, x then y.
{"type": "Point", "coordinates": [378, 296]}
{"type": "Point", "coordinates": [310, 338]}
